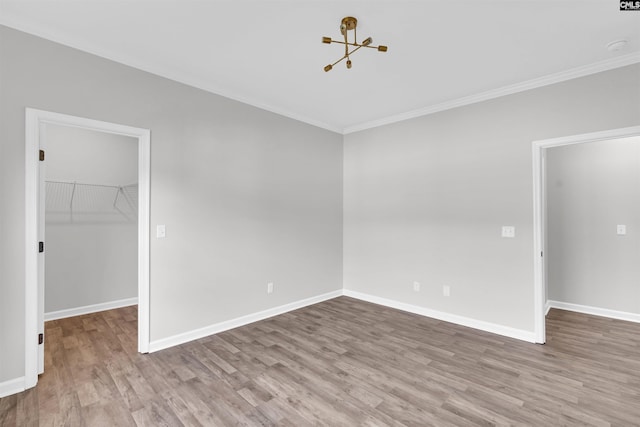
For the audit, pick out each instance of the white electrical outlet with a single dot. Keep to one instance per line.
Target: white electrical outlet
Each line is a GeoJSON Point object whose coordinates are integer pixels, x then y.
{"type": "Point", "coordinates": [270, 287]}
{"type": "Point", "coordinates": [508, 231]}
{"type": "Point", "coordinates": [446, 290]}
{"type": "Point", "coordinates": [621, 229]}
{"type": "Point", "coordinates": [161, 231]}
{"type": "Point", "coordinates": [416, 286]}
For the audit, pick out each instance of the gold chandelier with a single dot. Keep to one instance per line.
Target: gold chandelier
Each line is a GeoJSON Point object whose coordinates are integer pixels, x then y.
{"type": "Point", "coordinates": [350, 23]}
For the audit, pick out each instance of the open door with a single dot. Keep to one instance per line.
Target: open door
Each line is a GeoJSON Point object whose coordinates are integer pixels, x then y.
{"type": "Point", "coordinates": [41, 244]}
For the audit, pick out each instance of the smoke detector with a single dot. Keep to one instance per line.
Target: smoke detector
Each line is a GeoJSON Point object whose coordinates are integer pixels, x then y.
{"type": "Point", "coordinates": [617, 45]}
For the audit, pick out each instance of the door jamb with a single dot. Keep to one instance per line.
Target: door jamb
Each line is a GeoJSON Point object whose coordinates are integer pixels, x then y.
{"type": "Point", "coordinates": [538, 148]}
{"type": "Point", "coordinates": [33, 119]}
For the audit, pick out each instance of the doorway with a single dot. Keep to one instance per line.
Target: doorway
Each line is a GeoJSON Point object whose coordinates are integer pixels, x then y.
{"type": "Point", "coordinates": [36, 126]}
{"type": "Point", "coordinates": [539, 208]}
{"type": "Point", "coordinates": [90, 221]}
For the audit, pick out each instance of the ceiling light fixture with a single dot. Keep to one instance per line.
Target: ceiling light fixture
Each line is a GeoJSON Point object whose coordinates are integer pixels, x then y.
{"type": "Point", "coordinates": [350, 23]}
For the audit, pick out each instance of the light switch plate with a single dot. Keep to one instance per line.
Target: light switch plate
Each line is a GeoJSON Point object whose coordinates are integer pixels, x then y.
{"type": "Point", "coordinates": [161, 231]}
{"type": "Point", "coordinates": [621, 229]}
{"type": "Point", "coordinates": [508, 231]}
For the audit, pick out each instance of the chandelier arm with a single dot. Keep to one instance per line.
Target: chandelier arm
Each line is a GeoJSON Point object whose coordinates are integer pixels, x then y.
{"type": "Point", "coordinates": [349, 44]}
{"type": "Point", "coordinates": [355, 45]}
{"type": "Point", "coordinates": [339, 60]}
{"type": "Point", "coordinates": [359, 46]}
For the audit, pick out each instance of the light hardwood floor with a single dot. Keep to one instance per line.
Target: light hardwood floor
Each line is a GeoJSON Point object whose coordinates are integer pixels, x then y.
{"type": "Point", "coordinates": [340, 362]}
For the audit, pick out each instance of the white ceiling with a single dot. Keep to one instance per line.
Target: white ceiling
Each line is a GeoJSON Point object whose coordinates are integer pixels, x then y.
{"type": "Point", "coordinates": [269, 53]}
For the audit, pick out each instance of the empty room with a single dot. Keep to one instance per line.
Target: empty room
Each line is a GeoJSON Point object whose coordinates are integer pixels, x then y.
{"type": "Point", "coordinates": [292, 213]}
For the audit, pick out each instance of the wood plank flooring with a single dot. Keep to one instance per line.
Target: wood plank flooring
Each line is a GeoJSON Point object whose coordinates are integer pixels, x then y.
{"type": "Point", "coordinates": [342, 362]}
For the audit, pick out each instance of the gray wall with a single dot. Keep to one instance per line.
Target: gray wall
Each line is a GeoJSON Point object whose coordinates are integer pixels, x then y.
{"type": "Point", "coordinates": [89, 263]}
{"type": "Point", "coordinates": [248, 197]}
{"type": "Point", "coordinates": [89, 156]}
{"type": "Point", "coordinates": [92, 255]}
{"type": "Point", "coordinates": [425, 199]}
{"type": "Point", "coordinates": [591, 188]}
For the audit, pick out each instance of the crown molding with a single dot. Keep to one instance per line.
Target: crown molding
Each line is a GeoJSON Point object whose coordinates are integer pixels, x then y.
{"type": "Point", "coordinates": [180, 77]}
{"type": "Point", "coordinates": [585, 70]}
{"type": "Point", "coordinates": [173, 75]}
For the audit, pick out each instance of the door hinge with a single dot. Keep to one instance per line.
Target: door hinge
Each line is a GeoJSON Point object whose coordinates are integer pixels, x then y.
{"type": "Point", "coordinates": [541, 254]}
{"type": "Point", "coordinates": [42, 155]}
{"type": "Point", "coordinates": [40, 247]}
{"type": "Point", "coordinates": [40, 339]}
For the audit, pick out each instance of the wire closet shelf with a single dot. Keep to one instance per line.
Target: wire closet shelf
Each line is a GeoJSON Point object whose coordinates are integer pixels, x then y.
{"type": "Point", "coordinates": [75, 202]}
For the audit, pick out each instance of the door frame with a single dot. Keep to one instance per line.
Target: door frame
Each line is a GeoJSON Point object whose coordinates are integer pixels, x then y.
{"type": "Point", "coordinates": [34, 120]}
{"type": "Point", "coordinates": [539, 206]}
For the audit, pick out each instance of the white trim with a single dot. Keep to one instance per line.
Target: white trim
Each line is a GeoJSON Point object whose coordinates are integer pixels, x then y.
{"type": "Point", "coordinates": [87, 309]}
{"type": "Point", "coordinates": [180, 77]}
{"type": "Point", "coordinates": [237, 322]}
{"type": "Point", "coordinates": [547, 307]}
{"type": "Point", "coordinates": [596, 311]}
{"type": "Point", "coordinates": [144, 225]}
{"type": "Point", "coordinates": [538, 229]}
{"type": "Point", "coordinates": [589, 137]}
{"type": "Point", "coordinates": [31, 216]}
{"type": "Point", "coordinates": [538, 246]}
{"type": "Point", "coordinates": [585, 70]}
{"type": "Point", "coordinates": [447, 317]}
{"type": "Point", "coordinates": [33, 119]}
{"type": "Point", "coordinates": [10, 387]}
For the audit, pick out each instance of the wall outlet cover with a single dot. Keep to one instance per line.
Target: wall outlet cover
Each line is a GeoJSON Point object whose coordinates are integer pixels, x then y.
{"type": "Point", "coordinates": [508, 231]}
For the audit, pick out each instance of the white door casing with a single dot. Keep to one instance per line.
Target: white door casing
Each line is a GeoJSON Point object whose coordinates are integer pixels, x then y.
{"type": "Point", "coordinates": [34, 228]}
{"type": "Point", "coordinates": [538, 150]}
{"type": "Point", "coordinates": [42, 165]}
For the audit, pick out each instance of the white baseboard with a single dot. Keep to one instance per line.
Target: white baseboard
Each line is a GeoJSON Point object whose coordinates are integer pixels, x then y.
{"type": "Point", "coordinates": [10, 387]}
{"type": "Point", "coordinates": [87, 309]}
{"type": "Point", "coordinates": [237, 322]}
{"type": "Point", "coordinates": [547, 307]}
{"type": "Point", "coordinates": [447, 317]}
{"type": "Point", "coordinates": [595, 311]}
